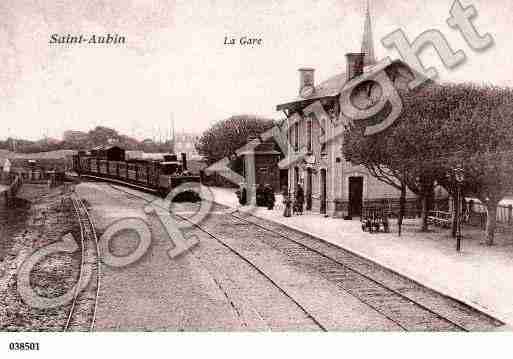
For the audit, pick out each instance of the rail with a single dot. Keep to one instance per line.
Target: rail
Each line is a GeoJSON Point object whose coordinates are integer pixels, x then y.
{"type": "Point", "coordinates": [242, 257]}
{"type": "Point", "coordinates": [407, 309]}
{"type": "Point", "coordinates": [89, 245]}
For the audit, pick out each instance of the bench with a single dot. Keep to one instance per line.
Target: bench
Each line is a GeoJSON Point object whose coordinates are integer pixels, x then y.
{"type": "Point", "coordinates": [440, 218]}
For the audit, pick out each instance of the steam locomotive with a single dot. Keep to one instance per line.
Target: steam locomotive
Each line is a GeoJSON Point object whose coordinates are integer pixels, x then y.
{"type": "Point", "coordinates": [160, 176]}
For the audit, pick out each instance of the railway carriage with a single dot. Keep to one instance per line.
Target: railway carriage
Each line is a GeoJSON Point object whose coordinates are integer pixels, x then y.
{"type": "Point", "coordinates": [94, 165]}
{"type": "Point", "coordinates": [82, 162]}
{"type": "Point", "coordinates": [142, 172]}
{"type": "Point", "coordinates": [122, 167]}
{"type": "Point", "coordinates": [153, 174]}
{"type": "Point", "coordinates": [103, 167]}
{"type": "Point", "coordinates": [158, 176]}
{"type": "Point", "coordinates": [113, 168]}
{"type": "Point", "coordinates": [132, 172]}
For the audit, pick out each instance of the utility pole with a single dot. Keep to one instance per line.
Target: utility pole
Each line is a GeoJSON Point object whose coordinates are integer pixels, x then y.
{"type": "Point", "coordinates": [173, 126]}
{"type": "Point", "coordinates": [459, 176]}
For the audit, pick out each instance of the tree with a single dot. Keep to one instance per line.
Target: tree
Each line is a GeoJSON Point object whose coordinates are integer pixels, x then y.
{"type": "Point", "coordinates": [101, 135]}
{"type": "Point", "coordinates": [376, 155]}
{"type": "Point", "coordinates": [443, 127]}
{"type": "Point", "coordinates": [225, 137]}
{"type": "Point", "coordinates": [399, 156]}
{"type": "Point", "coordinates": [480, 135]}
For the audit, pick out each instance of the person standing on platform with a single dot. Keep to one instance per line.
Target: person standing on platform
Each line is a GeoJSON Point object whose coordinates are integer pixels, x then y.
{"type": "Point", "coordinates": [299, 199]}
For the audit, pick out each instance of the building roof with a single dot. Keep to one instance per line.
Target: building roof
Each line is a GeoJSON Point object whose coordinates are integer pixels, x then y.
{"type": "Point", "coordinates": [332, 86]}
{"type": "Point", "coordinates": [328, 88]}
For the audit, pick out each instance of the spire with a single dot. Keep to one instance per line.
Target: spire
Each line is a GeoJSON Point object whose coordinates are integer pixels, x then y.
{"type": "Point", "coordinates": [367, 41]}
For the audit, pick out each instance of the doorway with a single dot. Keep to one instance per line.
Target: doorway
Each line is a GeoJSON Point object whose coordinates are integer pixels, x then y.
{"type": "Point", "coordinates": [284, 179]}
{"type": "Point", "coordinates": [355, 196]}
{"type": "Point", "coordinates": [323, 192]}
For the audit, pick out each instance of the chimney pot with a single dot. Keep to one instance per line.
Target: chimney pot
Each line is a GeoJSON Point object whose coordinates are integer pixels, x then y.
{"type": "Point", "coordinates": [354, 65]}
{"type": "Point", "coordinates": [306, 77]}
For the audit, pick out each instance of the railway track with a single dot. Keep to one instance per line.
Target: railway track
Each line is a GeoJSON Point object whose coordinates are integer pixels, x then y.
{"type": "Point", "coordinates": [463, 316]}
{"type": "Point", "coordinates": [262, 272]}
{"type": "Point", "coordinates": [405, 313]}
{"type": "Point", "coordinates": [82, 313]}
{"type": "Point", "coordinates": [242, 257]}
{"type": "Point", "coordinates": [411, 306]}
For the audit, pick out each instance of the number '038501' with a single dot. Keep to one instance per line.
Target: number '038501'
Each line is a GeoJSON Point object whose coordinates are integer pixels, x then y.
{"type": "Point", "coordinates": [19, 346]}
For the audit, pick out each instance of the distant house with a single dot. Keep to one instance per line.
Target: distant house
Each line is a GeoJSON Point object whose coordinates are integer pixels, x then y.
{"type": "Point", "coordinates": [40, 169]}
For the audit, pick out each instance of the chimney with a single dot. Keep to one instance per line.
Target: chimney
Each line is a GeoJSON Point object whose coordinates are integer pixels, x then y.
{"type": "Point", "coordinates": [354, 65]}
{"type": "Point", "coordinates": [306, 77]}
{"type": "Point", "coordinates": [184, 161]}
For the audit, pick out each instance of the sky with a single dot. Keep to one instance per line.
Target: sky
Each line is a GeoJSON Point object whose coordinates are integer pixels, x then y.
{"type": "Point", "coordinates": [175, 66]}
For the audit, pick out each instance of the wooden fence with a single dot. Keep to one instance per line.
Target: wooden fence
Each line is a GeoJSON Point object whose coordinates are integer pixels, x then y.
{"type": "Point", "coordinates": [475, 212]}
{"type": "Point", "coordinates": [391, 206]}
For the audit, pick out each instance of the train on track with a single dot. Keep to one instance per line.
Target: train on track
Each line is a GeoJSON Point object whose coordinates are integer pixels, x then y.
{"type": "Point", "coordinates": [160, 176]}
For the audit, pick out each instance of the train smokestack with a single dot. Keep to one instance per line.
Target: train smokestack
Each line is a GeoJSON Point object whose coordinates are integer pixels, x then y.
{"type": "Point", "coordinates": [184, 161]}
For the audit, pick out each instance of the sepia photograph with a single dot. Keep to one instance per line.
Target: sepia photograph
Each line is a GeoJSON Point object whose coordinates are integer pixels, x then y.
{"type": "Point", "coordinates": [255, 169]}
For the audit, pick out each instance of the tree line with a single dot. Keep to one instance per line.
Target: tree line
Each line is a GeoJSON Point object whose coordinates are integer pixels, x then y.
{"type": "Point", "coordinates": [98, 136]}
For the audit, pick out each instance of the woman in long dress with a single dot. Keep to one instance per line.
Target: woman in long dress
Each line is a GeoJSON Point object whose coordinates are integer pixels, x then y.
{"type": "Point", "coordinates": [299, 199]}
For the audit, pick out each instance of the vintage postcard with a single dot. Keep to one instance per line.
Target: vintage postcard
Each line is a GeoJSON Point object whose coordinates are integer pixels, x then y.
{"type": "Point", "coordinates": [229, 166]}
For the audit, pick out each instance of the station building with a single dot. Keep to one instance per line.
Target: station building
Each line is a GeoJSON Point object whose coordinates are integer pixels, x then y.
{"type": "Point", "coordinates": [331, 184]}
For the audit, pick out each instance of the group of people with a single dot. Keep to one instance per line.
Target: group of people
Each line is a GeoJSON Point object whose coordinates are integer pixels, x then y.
{"type": "Point", "coordinates": [264, 195]}
{"type": "Point", "coordinates": [265, 198]}
{"type": "Point", "coordinates": [295, 207]}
